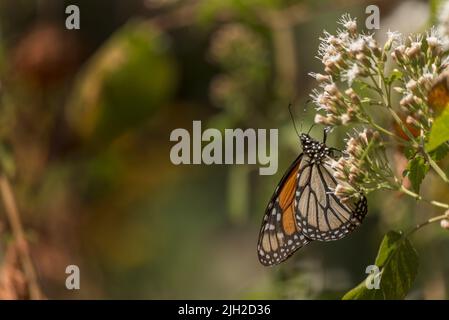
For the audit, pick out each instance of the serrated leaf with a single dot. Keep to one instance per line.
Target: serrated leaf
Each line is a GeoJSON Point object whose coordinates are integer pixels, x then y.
{"type": "Point", "coordinates": [440, 131]}
{"type": "Point", "coordinates": [398, 264]}
{"type": "Point", "coordinates": [417, 170]}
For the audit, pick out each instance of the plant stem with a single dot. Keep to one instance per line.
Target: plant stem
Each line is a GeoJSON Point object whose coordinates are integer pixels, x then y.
{"type": "Point", "coordinates": [425, 223]}
{"type": "Point", "coordinates": [382, 129]}
{"type": "Point", "coordinates": [437, 169]}
{"type": "Point", "coordinates": [418, 197]}
{"type": "Point", "coordinates": [13, 216]}
{"type": "Point", "coordinates": [402, 125]}
{"type": "Point", "coordinates": [386, 101]}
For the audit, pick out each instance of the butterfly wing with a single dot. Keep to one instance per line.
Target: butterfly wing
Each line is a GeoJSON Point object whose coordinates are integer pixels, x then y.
{"type": "Point", "coordinates": [320, 213]}
{"type": "Point", "coordinates": [280, 235]}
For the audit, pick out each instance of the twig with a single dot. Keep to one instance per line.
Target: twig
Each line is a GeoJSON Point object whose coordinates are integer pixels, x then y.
{"type": "Point", "coordinates": [437, 169]}
{"type": "Point", "coordinates": [13, 216]}
{"type": "Point", "coordinates": [431, 220]}
{"type": "Point", "coordinates": [418, 197]}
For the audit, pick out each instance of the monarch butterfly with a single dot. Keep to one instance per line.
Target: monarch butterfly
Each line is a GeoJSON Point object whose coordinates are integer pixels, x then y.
{"type": "Point", "coordinates": [304, 207]}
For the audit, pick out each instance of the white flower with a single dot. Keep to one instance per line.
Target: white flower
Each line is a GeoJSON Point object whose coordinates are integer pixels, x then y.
{"type": "Point", "coordinates": [327, 51]}
{"type": "Point", "coordinates": [343, 36]}
{"type": "Point", "coordinates": [415, 46]}
{"type": "Point", "coordinates": [320, 77]}
{"type": "Point", "coordinates": [370, 41]}
{"type": "Point", "coordinates": [319, 118]}
{"type": "Point", "coordinates": [411, 85]}
{"type": "Point", "coordinates": [416, 40]}
{"type": "Point", "coordinates": [348, 23]}
{"type": "Point", "coordinates": [331, 39]}
{"type": "Point", "coordinates": [394, 38]}
{"type": "Point", "coordinates": [434, 39]}
{"type": "Point", "coordinates": [331, 88]}
{"type": "Point", "coordinates": [351, 74]}
{"type": "Point", "coordinates": [345, 118]}
{"type": "Point", "coordinates": [427, 79]}
{"type": "Point", "coordinates": [321, 100]}
{"type": "Point", "coordinates": [406, 100]}
{"type": "Point", "coordinates": [357, 46]}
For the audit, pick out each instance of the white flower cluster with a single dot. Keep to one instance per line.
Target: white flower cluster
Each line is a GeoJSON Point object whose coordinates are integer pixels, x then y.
{"type": "Point", "coordinates": [347, 57]}
{"type": "Point", "coordinates": [419, 59]}
{"type": "Point", "coordinates": [357, 83]}
{"type": "Point", "coordinates": [363, 167]}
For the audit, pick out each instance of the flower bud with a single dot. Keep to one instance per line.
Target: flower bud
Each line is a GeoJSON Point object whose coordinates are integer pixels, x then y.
{"type": "Point", "coordinates": [339, 175]}
{"type": "Point", "coordinates": [417, 100]}
{"type": "Point", "coordinates": [407, 100]}
{"type": "Point", "coordinates": [411, 85]}
{"type": "Point", "coordinates": [366, 136]}
{"type": "Point", "coordinates": [399, 89]}
{"type": "Point", "coordinates": [444, 224]}
{"type": "Point", "coordinates": [398, 54]}
{"type": "Point", "coordinates": [320, 77]}
{"type": "Point", "coordinates": [319, 118]}
{"type": "Point", "coordinates": [332, 89]}
{"type": "Point", "coordinates": [345, 118]}
{"type": "Point", "coordinates": [412, 121]}
{"type": "Point", "coordinates": [413, 51]}
{"type": "Point", "coordinates": [353, 96]}
{"type": "Point", "coordinates": [344, 190]}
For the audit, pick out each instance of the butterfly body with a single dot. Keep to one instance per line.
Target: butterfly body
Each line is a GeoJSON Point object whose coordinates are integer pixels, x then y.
{"type": "Point", "coordinates": [315, 150]}
{"type": "Point", "coordinates": [304, 207]}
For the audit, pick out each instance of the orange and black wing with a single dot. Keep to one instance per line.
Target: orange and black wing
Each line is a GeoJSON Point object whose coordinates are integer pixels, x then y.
{"type": "Point", "coordinates": [280, 235]}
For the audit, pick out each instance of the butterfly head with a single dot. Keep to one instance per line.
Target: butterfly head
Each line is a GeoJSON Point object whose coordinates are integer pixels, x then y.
{"type": "Point", "coordinates": [314, 149]}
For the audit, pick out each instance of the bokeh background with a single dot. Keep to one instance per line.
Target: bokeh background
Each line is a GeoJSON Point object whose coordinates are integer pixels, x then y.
{"type": "Point", "coordinates": [85, 120]}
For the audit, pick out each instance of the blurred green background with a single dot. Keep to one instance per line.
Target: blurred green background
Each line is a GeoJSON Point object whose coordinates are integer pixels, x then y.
{"type": "Point", "coordinates": [85, 120]}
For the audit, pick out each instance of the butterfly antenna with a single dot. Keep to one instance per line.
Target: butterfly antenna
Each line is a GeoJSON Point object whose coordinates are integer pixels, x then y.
{"type": "Point", "coordinates": [311, 127]}
{"type": "Point", "coordinates": [325, 133]}
{"type": "Point", "coordinates": [293, 119]}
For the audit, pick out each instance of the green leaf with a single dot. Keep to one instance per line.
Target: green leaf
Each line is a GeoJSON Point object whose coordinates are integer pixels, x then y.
{"type": "Point", "coordinates": [387, 246]}
{"type": "Point", "coordinates": [440, 131]}
{"type": "Point", "coordinates": [398, 264]}
{"type": "Point", "coordinates": [405, 173]}
{"type": "Point", "coordinates": [409, 152]}
{"type": "Point", "coordinates": [395, 75]}
{"type": "Point", "coordinates": [440, 152]}
{"type": "Point", "coordinates": [417, 169]}
{"type": "Point", "coordinates": [361, 292]}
